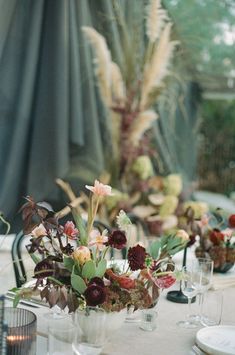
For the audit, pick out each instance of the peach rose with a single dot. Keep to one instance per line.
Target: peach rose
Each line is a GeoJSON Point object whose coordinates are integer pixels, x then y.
{"type": "Point", "coordinates": [82, 254]}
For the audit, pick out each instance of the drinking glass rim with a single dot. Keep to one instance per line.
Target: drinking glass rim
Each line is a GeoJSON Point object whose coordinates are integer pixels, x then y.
{"type": "Point", "coordinates": [25, 310]}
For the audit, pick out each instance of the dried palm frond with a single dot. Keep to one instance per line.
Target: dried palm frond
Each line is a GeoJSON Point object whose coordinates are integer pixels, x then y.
{"type": "Point", "coordinates": [155, 20]}
{"type": "Point", "coordinates": [157, 68]}
{"type": "Point", "coordinates": [103, 62]}
{"type": "Point", "coordinates": [118, 87]}
{"type": "Point", "coordinates": [140, 125]}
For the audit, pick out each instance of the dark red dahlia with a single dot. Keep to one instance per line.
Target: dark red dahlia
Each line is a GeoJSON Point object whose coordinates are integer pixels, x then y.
{"type": "Point", "coordinates": [95, 295]}
{"type": "Point", "coordinates": [117, 239]}
{"type": "Point", "coordinates": [231, 221]}
{"type": "Point", "coordinates": [96, 281]}
{"type": "Point", "coordinates": [216, 236]}
{"type": "Point", "coordinates": [136, 257]}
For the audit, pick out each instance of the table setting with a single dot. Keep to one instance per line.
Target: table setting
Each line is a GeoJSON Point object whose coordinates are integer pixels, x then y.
{"type": "Point", "coordinates": [80, 302]}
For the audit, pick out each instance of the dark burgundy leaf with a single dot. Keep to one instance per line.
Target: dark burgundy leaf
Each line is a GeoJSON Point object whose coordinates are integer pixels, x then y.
{"type": "Point", "coordinates": [72, 302]}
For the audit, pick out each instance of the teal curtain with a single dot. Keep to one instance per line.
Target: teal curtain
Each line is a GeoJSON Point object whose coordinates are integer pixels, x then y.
{"type": "Point", "coordinates": [52, 121]}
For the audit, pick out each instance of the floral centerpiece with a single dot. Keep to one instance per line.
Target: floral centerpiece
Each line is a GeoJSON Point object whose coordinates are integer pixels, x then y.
{"type": "Point", "coordinates": [217, 240]}
{"type": "Point", "coordinates": [71, 260]}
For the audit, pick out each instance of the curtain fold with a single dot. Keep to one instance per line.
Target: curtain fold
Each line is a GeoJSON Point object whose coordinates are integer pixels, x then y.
{"type": "Point", "coordinates": [52, 121]}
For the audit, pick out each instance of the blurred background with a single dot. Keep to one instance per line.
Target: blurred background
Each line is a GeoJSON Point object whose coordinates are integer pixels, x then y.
{"type": "Point", "coordinates": [54, 122]}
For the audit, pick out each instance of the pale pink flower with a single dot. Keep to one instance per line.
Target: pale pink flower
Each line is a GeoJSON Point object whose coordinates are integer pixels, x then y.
{"type": "Point", "coordinates": [98, 239]}
{"type": "Point", "coordinates": [100, 189]}
{"type": "Point", "coordinates": [39, 231]}
{"type": "Point", "coordinates": [70, 231]}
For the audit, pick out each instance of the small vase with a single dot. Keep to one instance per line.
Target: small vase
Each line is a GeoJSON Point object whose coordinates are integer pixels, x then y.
{"type": "Point", "coordinates": [94, 328]}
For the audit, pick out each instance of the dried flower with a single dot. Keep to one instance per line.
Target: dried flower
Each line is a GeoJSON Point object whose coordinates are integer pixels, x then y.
{"type": "Point", "coordinates": [136, 257]}
{"type": "Point", "coordinates": [169, 206]}
{"type": "Point", "coordinates": [100, 189]}
{"type": "Point", "coordinates": [70, 230]}
{"type": "Point", "coordinates": [142, 166]}
{"type": "Point", "coordinates": [117, 239]}
{"type": "Point", "coordinates": [82, 254]}
{"type": "Point", "coordinates": [94, 295]}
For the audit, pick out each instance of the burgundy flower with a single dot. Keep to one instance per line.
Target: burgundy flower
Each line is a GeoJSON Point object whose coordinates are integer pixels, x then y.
{"type": "Point", "coordinates": [95, 295]}
{"type": "Point", "coordinates": [117, 239]}
{"type": "Point", "coordinates": [96, 281]}
{"type": "Point", "coordinates": [136, 257]}
{"type": "Point", "coordinates": [231, 221]}
{"type": "Point", "coordinates": [216, 237]}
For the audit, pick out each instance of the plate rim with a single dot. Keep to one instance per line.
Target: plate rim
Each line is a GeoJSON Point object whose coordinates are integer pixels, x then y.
{"type": "Point", "coordinates": [206, 347]}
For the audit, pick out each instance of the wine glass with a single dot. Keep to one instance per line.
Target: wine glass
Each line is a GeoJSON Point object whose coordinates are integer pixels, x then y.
{"type": "Point", "coordinates": [204, 270]}
{"type": "Point", "coordinates": [189, 287]}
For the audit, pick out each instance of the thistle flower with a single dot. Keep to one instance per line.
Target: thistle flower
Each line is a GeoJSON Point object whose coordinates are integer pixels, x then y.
{"type": "Point", "coordinates": [123, 221]}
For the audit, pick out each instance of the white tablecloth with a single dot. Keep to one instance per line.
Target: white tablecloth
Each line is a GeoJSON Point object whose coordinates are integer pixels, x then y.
{"type": "Point", "coordinates": [166, 339]}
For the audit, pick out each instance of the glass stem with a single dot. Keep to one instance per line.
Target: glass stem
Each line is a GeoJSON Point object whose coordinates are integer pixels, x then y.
{"type": "Point", "coordinates": [189, 307]}
{"type": "Point", "coordinates": [201, 300]}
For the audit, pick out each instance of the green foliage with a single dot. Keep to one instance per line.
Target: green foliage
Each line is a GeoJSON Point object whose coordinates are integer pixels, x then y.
{"type": "Point", "coordinates": [101, 268]}
{"type": "Point", "coordinates": [155, 249]}
{"type": "Point", "coordinates": [80, 224]}
{"type": "Point", "coordinates": [78, 283]}
{"type": "Point", "coordinates": [89, 269]}
{"type": "Point", "coordinates": [68, 263]}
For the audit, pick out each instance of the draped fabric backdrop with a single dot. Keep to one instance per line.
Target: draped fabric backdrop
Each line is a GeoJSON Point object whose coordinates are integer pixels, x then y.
{"type": "Point", "coordinates": [52, 122]}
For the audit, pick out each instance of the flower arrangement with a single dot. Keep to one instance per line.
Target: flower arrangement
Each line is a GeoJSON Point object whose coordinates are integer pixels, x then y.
{"type": "Point", "coordinates": [71, 260]}
{"type": "Point", "coordinates": [217, 240]}
{"type": "Point", "coordinates": [130, 90]}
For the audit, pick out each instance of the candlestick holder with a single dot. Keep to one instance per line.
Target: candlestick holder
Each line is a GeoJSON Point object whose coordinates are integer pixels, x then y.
{"type": "Point", "coordinates": [177, 295]}
{"type": "Point", "coordinates": [22, 328]}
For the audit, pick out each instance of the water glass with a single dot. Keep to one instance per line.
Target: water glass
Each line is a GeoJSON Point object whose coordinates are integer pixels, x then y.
{"type": "Point", "coordinates": [90, 337]}
{"type": "Point", "coordinates": [212, 308]}
{"type": "Point", "coordinates": [22, 331]}
{"type": "Point", "coordinates": [148, 320]}
{"type": "Point", "coordinates": [61, 334]}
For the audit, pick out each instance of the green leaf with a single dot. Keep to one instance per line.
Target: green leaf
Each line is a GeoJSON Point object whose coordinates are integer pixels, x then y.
{"type": "Point", "coordinates": [16, 300]}
{"type": "Point", "coordinates": [155, 249]}
{"type": "Point", "coordinates": [68, 262]}
{"type": "Point", "coordinates": [89, 269]}
{"type": "Point", "coordinates": [78, 283]}
{"type": "Point", "coordinates": [80, 224]}
{"type": "Point", "coordinates": [35, 258]}
{"type": "Point", "coordinates": [101, 268]}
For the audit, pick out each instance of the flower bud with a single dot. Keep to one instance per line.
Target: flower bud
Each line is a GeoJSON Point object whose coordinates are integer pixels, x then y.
{"type": "Point", "coordinates": [82, 254]}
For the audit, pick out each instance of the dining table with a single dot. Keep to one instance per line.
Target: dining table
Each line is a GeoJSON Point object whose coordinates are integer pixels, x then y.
{"type": "Point", "coordinates": [167, 339]}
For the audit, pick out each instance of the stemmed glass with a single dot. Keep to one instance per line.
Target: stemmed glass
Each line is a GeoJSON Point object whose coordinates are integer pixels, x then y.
{"type": "Point", "coordinates": [189, 287]}
{"type": "Point", "coordinates": [204, 270]}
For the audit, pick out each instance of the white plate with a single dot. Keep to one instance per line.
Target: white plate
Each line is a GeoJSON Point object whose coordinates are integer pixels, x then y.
{"type": "Point", "coordinates": [217, 340]}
